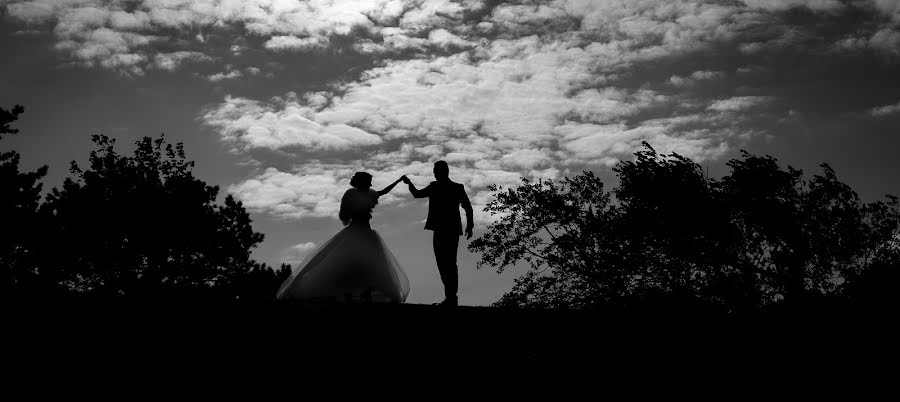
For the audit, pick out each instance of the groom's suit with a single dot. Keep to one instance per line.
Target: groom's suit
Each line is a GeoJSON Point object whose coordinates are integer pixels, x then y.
{"type": "Point", "coordinates": [444, 199]}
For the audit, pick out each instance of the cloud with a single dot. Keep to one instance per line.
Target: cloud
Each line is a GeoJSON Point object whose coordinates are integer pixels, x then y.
{"type": "Point", "coordinates": [314, 190]}
{"type": "Point", "coordinates": [706, 75]}
{"type": "Point", "coordinates": [816, 5]}
{"type": "Point", "coordinates": [885, 111]}
{"type": "Point", "coordinates": [445, 39]}
{"type": "Point", "coordinates": [295, 254]}
{"type": "Point", "coordinates": [32, 12]}
{"type": "Point", "coordinates": [315, 193]}
{"type": "Point", "coordinates": [500, 90]}
{"type": "Point", "coordinates": [229, 75]}
{"type": "Point", "coordinates": [122, 20]}
{"type": "Point", "coordinates": [695, 77]}
{"type": "Point", "coordinates": [289, 42]}
{"type": "Point", "coordinates": [887, 40]}
{"type": "Point", "coordinates": [890, 8]}
{"type": "Point", "coordinates": [171, 61]}
{"type": "Point", "coordinates": [289, 24]}
{"type": "Point", "coordinates": [282, 123]}
{"type": "Point", "coordinates": [629, 30]}
{"type": "Point", "coordinates": [510, 96]}
{"type": "Point", "coordinates": [739, 103]}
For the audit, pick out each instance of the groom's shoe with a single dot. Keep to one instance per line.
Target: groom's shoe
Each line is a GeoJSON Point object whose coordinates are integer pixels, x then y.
{"type": "Point", "coordinates": [448, 303]}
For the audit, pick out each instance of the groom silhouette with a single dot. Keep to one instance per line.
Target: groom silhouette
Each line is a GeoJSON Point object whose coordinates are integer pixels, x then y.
{"type": "Point", "coordinates": [444, 199]}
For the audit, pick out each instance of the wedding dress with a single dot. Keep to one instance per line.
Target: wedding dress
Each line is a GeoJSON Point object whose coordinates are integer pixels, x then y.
{"type": "Point", "coordinates": [353, 265]}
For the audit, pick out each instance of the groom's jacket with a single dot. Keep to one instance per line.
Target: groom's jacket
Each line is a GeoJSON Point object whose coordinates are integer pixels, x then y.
{"type": "Point", "coordinates": [444, 200]}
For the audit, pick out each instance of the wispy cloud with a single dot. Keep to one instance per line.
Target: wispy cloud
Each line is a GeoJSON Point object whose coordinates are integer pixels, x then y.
{"type": "Point", "coordinates": [739, 103]}
{"type": "Point", "coordinates": [884, 111]}
{"type": "Point", "coordinates": [295, 254]}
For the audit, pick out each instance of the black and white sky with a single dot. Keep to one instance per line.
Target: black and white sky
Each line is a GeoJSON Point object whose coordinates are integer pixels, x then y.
{"type": "Point", "coordinates": [280, 101]}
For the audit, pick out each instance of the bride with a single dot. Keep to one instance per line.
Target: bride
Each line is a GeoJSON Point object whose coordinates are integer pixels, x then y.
{"type": "Point", "coordinates": [355, 264]}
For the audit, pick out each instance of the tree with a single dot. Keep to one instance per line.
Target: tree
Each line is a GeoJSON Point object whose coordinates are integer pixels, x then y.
{"type": "Point", "coordinates": [761, 236]}
{"type": "Point", "coordinates": [800, 239]}
{"type": "Point", "coordinates": [674, 225]}
{"type": "Point", "coordinates": [20, 194]}
{"type": "Point", "coordinates": [562, 232]}
{"type": "Point", "coordinates": [764, 202]}
{"type": "Point", "coordinates": [143, 225]}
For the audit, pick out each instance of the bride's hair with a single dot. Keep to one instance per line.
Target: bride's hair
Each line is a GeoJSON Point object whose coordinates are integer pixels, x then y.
{"type": "Point", "coordinates": [361, 178]}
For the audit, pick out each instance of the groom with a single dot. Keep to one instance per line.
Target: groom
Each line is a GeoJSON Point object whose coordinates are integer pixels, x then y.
{"type": "Point", "coordinates": [444, 199]}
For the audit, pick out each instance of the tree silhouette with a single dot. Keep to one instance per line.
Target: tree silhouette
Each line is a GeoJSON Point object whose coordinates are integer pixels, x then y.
{"type": "Point", "coordinates": [563, 232]}
{"type": "Point", "coordinates": [674, 226]}
{"type": "Point", "coordinates": [801, 239]}
{"type": "Point", "coordinates": [759, 237]}
{"type": "Point", "coordinates": [20, 194]}
{"type": "Point", "coordinates": [144, 226]}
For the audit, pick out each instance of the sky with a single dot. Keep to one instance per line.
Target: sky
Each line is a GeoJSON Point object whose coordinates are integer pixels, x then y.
{"type": "Point", "coordinates": [279, 102]}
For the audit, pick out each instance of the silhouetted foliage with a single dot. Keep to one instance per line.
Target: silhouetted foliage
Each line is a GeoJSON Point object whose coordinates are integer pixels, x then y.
{"type": "Point", "coordinates": [141, 226]}
{"type": "Point", "coordinates": [565, 232]}
{"type": "Point", "coordinates": [144, 225]}
{"type": "Point", "coordinates": [674, 227]}
{"type": "Point", "coordinates": [19, 200]}
{"type": "Point", "coordinates": [672, 236]}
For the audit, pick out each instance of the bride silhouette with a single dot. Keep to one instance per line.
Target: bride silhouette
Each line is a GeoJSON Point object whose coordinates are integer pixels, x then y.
{"type": "Point", "coordinates": [355, 264]}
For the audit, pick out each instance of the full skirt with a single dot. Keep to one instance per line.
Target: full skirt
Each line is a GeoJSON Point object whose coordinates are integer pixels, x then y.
{"type": "Point", "coordinates": [354, 265]}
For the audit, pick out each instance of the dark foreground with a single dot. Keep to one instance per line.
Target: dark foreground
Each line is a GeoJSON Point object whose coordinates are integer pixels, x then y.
{"type": "Point", "coordinates": [354, 348]}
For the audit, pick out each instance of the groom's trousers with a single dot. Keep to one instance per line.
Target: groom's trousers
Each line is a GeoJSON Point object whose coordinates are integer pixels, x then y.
{"type": "Point", "coordinates": [445, 245]}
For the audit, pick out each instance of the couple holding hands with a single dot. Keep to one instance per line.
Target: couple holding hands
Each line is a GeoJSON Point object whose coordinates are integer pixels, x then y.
{"type": "Point", "coordinates": [356, 264]}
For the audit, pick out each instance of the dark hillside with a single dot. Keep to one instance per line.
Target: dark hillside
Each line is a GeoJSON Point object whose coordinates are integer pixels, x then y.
{"type": "Point", "coordinates": [424, 345]}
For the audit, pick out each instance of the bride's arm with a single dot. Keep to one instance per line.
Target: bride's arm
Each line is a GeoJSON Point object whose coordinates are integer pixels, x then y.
{"type": "Point", "coordinates": [388, 188]}
{"type": "Point", "coordinates": [344, 214]}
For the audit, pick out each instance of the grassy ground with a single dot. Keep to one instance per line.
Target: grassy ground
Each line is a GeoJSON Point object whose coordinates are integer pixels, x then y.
{"type": "Point", "coordinates": [197, 343]}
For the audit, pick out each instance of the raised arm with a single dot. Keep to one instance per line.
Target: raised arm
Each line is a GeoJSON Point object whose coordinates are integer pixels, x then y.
{"type": "Point", "coordinates": [389, 188]}
{"type": "Point", "coordinates": [425, 192]}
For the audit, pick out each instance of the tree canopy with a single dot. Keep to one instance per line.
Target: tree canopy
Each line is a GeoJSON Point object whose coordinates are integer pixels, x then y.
{"type": "Point", "coordinates": [20, 194]}
{"type": "Point", "coordinates": [761, 236]}
{"type": "Point", "coordinates": [138, 225]}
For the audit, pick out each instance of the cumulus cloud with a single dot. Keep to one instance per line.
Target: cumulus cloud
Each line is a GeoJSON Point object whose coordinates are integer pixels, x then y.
{"type": "Point", "coordinates": [527, 103]}
{"type": "Point", "coordinates": [816, 5]}
{"type": "Point", "coordinates": [739, 103]}
{"type": "Point", "coordinates": [229, 75]}
{"type": "Point", "coordinates": [884, 111]}
{"type": "Point", "coordinates": [32, 11]}
{"type": "Point", "coordinates": [444, 38]}
{"type": "Point", "coordinates": [170, 61]}
{"type": "Point", "coordinates": [889, 8]}
{"type": "Point", "coordinates": [314, 190]}
{"type": "Point", "coordinates": [636, 29]}
{"type": "Point", "coordinates": [288, 24]}
{"type": "Point", "coordinates": [314, 193]}
{"type": "Point", "coordinates": [500, 90]}
{"type": "Point", "coordinates": [706, 75]}
{"type": "Point", "coordinates": [282, 123]}
{"type": "Point", "coordinates": [886, 39]}
{"type": "Point", "coordinates": [295, 254]}
{"type": "Point", "coordinates": [289, 42]}
{"type": "Point", "coordinates": [695, 77]}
